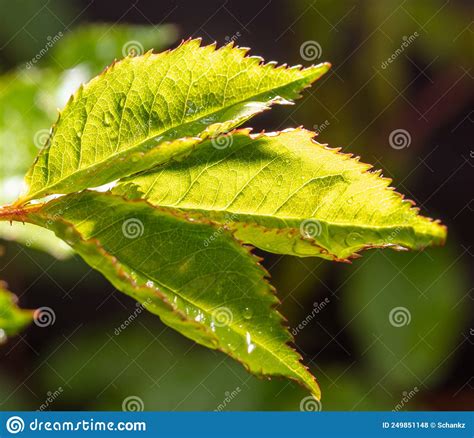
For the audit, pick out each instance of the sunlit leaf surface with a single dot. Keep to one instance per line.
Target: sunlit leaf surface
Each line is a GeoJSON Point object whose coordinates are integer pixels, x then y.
{"type": "Point", "coordinates": [198, 279]}
{"type": "Point", "coordinates": [287, 193]}
{"type": "Point", "coordinates": [144, 110]}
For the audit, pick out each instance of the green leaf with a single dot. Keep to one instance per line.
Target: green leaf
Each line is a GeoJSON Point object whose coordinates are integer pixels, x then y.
{"type": "Point", "coordinates": [97, 45]}
{"type": "Point", "coordinates": [287, 194]}
{"type": "Point", "coordinates": [407, 313]}
{"type": "Point", "coordinates": [35, 237]}
{"type": "Point", "coordinates": [12, 318]}
{"type": "Point", "coordinates": [197, 278]}
{"type": "Point", "coordinates": [130, 118]}
{"type": "Point", "coordinates": [27, 111]}
{"type": "Point", "coordinates": [28, 100]}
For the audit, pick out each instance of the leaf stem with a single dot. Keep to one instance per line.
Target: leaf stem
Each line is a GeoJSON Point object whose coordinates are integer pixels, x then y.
{"type": "Point", "coordinates": [14, 213]}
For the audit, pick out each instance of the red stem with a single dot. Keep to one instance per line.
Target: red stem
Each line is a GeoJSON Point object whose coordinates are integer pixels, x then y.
{"type": "Point", "coordinates": [12, 213]}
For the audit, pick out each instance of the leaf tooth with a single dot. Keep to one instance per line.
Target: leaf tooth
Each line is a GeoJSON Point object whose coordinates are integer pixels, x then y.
{"type": "Point", "coordinates": [191, 42]}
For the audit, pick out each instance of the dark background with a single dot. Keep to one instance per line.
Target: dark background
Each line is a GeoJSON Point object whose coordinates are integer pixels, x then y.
{"type": "Point", "coordinates": [361, 361]}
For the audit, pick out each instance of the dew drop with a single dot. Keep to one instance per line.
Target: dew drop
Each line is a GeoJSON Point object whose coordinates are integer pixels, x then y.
{"type": "Point", "coordinates": [250, 346]}
{"type": "Point", "coordinates": [248, 313]}
{"type": "Point", "coordinates": [191, 108]}
{"type": "Point", "coordinates": [108, 118]}
{"type": "Point", "coordinates": [353, 239]}
{"type": "Point", "coordinates": [150, 283]}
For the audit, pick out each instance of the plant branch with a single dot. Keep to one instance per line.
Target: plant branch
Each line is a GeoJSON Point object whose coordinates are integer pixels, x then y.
{"type": "Point", "coordinates": [14, 213]}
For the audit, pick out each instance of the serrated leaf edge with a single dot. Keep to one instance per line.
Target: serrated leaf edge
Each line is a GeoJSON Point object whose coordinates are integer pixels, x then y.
{"type": "Point", "coordinates": [120, 271]}
{"type": "Point", "coordinates": [197, 42]}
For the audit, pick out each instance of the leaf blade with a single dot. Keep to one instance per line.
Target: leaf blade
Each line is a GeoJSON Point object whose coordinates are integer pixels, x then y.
{"type": "Point", "coordinates": [12, 318]}
{"type": "Point", "coordinates": [287, 194]}
{"type": "Point", "coordinates": [169, 268]}
{"type": "Point", "coordinates": [112, 126]}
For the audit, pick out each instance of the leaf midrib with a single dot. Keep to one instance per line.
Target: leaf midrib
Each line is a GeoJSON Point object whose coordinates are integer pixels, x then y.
{"type": "Point", "coordinates": [205, 212]}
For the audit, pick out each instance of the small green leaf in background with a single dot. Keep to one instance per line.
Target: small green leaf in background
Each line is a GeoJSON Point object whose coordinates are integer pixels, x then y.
{"type": "Point", "coordinates": [12, 318]}
{"type": "Point", "coordinates": [167, 372]}
{"type": "Point", "coordinates": [144, 110]}
{"type": "Point", "coordinates": [285, 193]}
{"type": "Point", "coordinates": [95, 46]}
{"type": "Point", "coordinates": [197, 278]}
{"type": "Point", "coordinates": [406, 313]}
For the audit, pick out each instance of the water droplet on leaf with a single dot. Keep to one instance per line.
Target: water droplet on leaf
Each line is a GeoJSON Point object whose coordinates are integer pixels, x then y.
{"type": "Point", "coordinates": [353, 239]}
{"type": "Point", "coordinates": [108, 118]}
{"type": "Point", "coordinates": [248, 313]}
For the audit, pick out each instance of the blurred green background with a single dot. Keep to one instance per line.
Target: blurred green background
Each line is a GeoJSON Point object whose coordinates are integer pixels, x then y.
{"type": "Point", "coordinates": [363, 358]}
